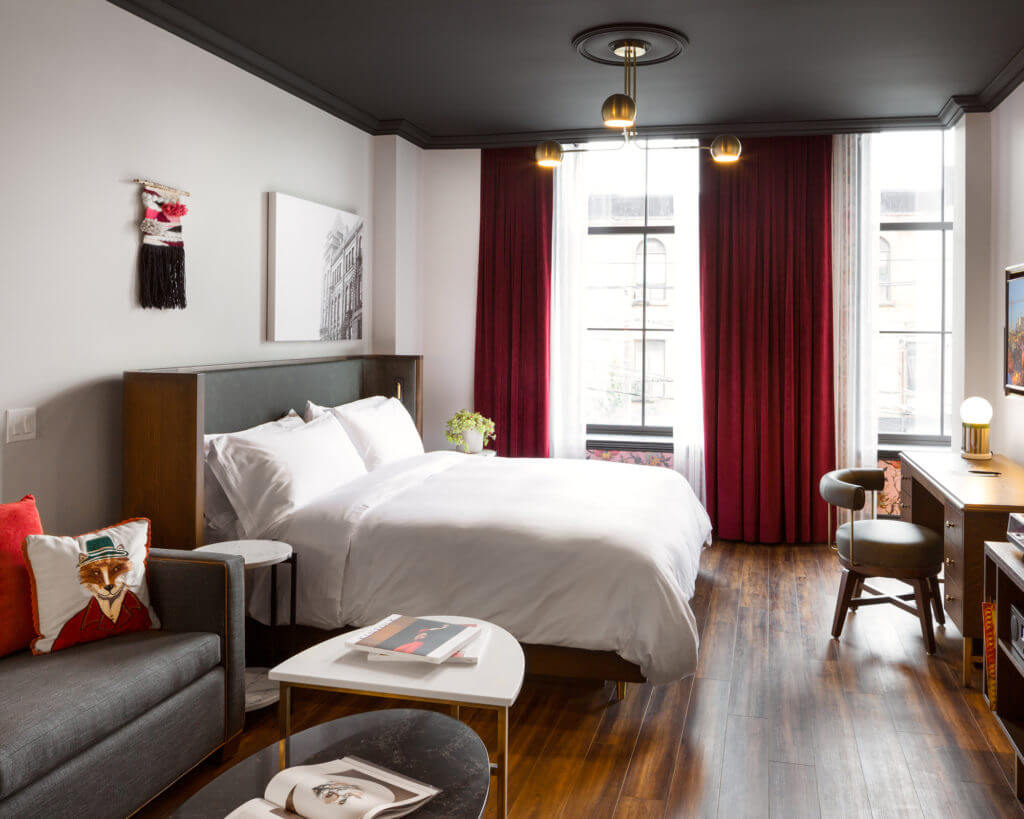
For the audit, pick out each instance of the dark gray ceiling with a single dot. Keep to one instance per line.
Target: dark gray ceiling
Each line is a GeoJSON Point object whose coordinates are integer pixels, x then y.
{"type": "Point", "coordinates": [476, 72]}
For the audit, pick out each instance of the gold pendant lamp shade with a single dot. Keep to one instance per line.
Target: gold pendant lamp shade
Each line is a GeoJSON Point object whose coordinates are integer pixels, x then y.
{"type": "Point", "coordinates": [619, 111]}
{"type": "Point", "coordinates": [548, 154]}
{"type": "Point", "coordinates": [726, 148]}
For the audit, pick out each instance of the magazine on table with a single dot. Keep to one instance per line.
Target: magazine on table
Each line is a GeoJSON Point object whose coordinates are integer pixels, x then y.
{"type": "Point", "coordinates": [431, 641]}
{"type": "Point", "coordinates": [470, 655]}
{"type": "Point", "coordinates": [348, 788]}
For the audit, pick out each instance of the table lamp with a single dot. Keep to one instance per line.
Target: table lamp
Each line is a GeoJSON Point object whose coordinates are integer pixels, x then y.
{"type": "Point", "coordinates": [975, 413]}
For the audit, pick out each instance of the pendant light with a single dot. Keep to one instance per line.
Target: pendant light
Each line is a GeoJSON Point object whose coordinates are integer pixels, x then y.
{"type": "Point", "coordinates": [548, 154]}
{"type": "Point", "coordinates": [611, 44]}
{"type": "Point", "coordinates": [725, 149]}
{"type": "Point", "coordinates": [619, 110]}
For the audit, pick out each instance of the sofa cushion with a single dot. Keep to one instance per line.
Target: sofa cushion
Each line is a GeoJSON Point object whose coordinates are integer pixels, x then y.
{"type": "Point", "coordinates": [17, 521]}
{"type": "Point", "coordinates": [58, 705]}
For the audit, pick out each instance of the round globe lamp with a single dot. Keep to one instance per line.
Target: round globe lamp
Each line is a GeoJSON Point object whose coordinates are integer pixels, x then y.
{"type": "Point", "coordinates": [726, 148]}
{"type": "Point", "coordinates": [976, 415]}
{"type": "Point", "coordinates": [548, 154]}
{"type": "Point", "coordinates": [619, 111]}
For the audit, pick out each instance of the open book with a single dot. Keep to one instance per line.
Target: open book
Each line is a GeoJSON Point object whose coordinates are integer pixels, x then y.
{"type": "Point", "coordinates": [348, 788]}
{"type": "Point", "coordinates": [432, 641]}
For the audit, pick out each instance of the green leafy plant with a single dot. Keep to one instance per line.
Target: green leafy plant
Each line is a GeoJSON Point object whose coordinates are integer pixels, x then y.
{"type": "Point", "coordinates": [463, 421]}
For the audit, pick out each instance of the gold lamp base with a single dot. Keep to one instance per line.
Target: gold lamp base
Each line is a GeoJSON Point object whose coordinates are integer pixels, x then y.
{"type": "Point", "coordinates": [976, 456]}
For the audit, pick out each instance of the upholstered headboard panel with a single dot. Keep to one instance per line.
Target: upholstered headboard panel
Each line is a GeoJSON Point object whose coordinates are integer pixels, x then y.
{"type": "Point", "coordinates": [243, 397]}
{"type": "Point", "coordinates": [167, 412]}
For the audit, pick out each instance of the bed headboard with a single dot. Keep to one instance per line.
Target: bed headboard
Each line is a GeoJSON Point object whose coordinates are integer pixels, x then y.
{"type": "Point", "coordinates": [167, 412]}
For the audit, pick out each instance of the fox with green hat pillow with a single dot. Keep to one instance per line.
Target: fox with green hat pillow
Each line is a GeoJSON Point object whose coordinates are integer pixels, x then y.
{"type": "Point", "coordinates": [114, 609]}
{"type": "Point", "coordinates": [108, 570]}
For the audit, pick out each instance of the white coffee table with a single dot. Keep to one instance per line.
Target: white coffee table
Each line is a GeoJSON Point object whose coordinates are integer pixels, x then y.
{"type": "Point", "coordinates": [259, 691]}
{"type": "Point", "coordinates": [493, 683]}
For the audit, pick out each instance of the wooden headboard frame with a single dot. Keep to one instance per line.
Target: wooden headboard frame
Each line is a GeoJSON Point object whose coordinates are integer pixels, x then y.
{"type": "Point", "coordinates": [167, 412]}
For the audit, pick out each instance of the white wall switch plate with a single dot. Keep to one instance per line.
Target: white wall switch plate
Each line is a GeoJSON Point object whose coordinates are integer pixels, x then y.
{"type": "Point", "coordinates": [21, 424]}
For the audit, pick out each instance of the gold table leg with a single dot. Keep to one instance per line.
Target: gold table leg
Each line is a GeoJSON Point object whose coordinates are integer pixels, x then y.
{"type": "Point", "coordinates": [284, 724]}
{"type": "Point", "coordinates": [968, 662]}
{"type": "Point", "coordinates": [501, 767]}
{"type": "Point", "coordinates": [455, 711]}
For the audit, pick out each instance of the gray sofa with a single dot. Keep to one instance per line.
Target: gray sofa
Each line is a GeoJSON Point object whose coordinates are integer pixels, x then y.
{"type": "Point", "coordinates": [99, 729]}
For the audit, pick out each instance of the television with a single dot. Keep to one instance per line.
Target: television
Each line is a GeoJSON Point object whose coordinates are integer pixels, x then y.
{"type": "Point", "coordinates": [1014, 346]}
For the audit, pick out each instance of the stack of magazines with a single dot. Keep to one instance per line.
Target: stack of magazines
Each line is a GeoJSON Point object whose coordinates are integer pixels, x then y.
{"type": "Point", "coordinates": [399, 638]}
{"type": "Point", "coordinates": [349, 787]}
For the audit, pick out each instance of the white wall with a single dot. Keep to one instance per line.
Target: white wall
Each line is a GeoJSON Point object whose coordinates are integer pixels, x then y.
{"type": "Point", "coordinates": [449, 236]}
{"type": "Point", "coordinates": [397, 287]}
{"type": "Point", "coordinates": [92, 96]}
{"type": "Point", "coordinates": [1007, 248]}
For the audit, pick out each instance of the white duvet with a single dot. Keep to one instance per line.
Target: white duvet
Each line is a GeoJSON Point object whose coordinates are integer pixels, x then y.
{"type": "Point", "coordinates": [587, 554]}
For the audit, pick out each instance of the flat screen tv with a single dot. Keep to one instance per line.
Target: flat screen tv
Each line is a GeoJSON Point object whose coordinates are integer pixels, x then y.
{"type": "Point", "coordinates": [1014, 357]}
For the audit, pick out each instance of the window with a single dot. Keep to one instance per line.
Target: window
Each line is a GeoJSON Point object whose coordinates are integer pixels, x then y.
{"type": "Point", "coordinates": [913, 317]}
{"type": "Point", "coordinates": [884, 274]}
{"type": "Point", "coordinates": [641, 239]}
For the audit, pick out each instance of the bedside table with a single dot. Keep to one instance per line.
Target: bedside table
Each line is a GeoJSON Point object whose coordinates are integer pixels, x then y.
{"type": "Point", "coordinates": [260, 691]}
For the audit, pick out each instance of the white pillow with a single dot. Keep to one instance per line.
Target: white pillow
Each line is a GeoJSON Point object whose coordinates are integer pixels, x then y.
{"type": "Point", "coordinates": [315, 410]}
{"type": "Point", "coordinates": [218, 512]}
{"type": "Point", "coordinates": [269, 475]}
{"type": "Point", "coordinates": [382, 432]}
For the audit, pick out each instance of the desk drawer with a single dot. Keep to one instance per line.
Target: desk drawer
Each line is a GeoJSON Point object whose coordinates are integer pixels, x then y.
{"type": "Point", "coordinates": [953, 602]}
{"type": "Point", "coordinates": [953, 563]}
{"type": "Point", "coordinates": [953, 526]}
{"type": "Point", "coordinates": [906, 493]}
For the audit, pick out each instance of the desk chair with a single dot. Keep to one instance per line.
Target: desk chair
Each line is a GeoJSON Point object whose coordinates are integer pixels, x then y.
{"type": "Point", "coordinates": [882, 548]}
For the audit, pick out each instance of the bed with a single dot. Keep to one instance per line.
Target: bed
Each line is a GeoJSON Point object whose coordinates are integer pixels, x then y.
{"type": "Point", "coordinates": [590, 564]}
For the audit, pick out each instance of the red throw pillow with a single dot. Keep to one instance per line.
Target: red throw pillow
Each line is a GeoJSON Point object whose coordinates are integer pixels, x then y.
{"type": "Point", "coordinates": [17, 521]}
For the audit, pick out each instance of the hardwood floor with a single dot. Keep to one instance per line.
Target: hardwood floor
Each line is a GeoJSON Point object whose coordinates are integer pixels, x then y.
{"type": "Point", "coordinates": [779, 720]}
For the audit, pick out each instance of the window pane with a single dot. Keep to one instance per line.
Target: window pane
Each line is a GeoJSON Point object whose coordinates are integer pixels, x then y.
{"type": "Point", "coordinates": [948, 172]}
{"type": "Point", "coordinates": [612, 377]}
{"type": "Point", "coordinates": [948, 242]}
{"type": "Point", "coordinates": [909, 168]}
{"type": "Point", "coordinates": [947, 421]}
{"type": "Point", "coordinates": [908, 382]}
{"type": "Point", "coordinates": [615, 179]}
{"type": "Point", "coordinates": [660, 372]}
{"type": "Point", "coordinates": [910, 280]}
{"type": "Point", "coordinates": [614, 280]}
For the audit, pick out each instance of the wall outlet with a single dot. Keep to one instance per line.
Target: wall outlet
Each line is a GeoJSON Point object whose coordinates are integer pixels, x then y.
{"type": "Point", "coordinates": [21, 424]}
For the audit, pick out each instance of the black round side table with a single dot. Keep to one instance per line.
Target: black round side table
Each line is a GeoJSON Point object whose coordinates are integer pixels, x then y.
{"type": "Point", "coordinates": [430, 747]}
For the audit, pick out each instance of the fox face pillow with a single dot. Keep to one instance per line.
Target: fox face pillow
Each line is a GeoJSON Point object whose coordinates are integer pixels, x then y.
{"type": "Point", "coordinates": [89, 587]}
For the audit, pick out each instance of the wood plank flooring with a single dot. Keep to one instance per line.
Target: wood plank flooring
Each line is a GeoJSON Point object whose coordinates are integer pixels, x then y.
{"type": "Point", "coordinates": [780, 720]}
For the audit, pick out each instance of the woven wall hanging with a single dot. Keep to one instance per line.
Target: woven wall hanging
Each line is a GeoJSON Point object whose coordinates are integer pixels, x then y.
{"type": "Point", "coordinates": [162, 255]}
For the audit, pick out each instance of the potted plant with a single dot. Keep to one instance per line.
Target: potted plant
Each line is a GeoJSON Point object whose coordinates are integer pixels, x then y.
{"type": "Point", "coordinates": [470, 430]}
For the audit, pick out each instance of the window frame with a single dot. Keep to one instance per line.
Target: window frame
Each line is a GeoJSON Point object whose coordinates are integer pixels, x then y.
{"type": "Point", "coordinates": [643, 232]}
{"type": "Point", "coordinates": [943, 227]}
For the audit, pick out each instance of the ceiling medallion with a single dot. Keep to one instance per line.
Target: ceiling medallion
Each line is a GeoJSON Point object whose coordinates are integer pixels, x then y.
{"type": "Point", "coordinates": [602, 44]}
{"type": "Point", "coordinates": [630, 45]}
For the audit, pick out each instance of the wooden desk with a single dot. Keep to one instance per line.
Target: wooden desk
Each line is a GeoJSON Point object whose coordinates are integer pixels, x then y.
{"type": "Point", "coordinates": [938, 491]}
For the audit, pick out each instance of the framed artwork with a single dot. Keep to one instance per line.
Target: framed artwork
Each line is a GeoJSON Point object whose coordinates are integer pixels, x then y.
{"type": "Point", "coordinates": [1014, 347]}
{"type": "Point", "coordinates": [315, 271]}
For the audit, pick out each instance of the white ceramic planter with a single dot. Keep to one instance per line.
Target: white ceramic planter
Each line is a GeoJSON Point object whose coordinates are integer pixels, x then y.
{"type": "Point", "coordinates": [472, 441]}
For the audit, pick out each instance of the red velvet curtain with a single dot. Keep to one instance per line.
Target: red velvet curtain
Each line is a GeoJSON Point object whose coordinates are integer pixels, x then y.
{"type": "Point", "coordinates": [513, 303]}
{"type": "Point", "coordinates": [766, 325]}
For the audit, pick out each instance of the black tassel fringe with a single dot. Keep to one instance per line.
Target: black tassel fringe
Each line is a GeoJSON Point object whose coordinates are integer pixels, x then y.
{"type": "Point", "coordinates": [162, 276]}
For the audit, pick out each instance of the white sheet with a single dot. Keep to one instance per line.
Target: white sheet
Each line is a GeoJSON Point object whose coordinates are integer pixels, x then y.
{"type": "Point", "coordinates": [586, 554]}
